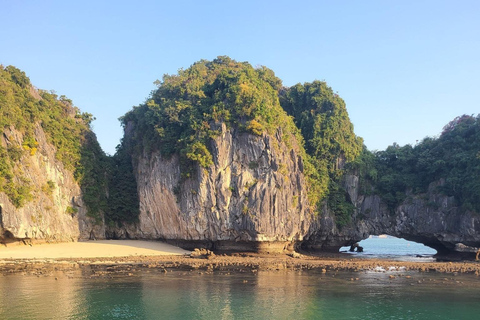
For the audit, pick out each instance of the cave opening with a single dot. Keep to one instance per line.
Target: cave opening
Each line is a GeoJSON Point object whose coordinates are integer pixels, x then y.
{"type": "Point", "coordinates": [386, 246]}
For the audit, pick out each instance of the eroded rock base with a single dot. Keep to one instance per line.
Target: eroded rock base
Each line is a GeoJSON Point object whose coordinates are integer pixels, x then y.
{"type": "Point", "coordinates": [236, 246]}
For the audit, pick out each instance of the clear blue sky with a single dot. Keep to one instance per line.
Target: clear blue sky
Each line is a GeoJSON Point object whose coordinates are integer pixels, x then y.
{"type": "Point", "coordinates": [404, 68]}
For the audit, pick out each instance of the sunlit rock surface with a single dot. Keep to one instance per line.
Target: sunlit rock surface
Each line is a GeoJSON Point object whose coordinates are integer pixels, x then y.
{"type": "Point", "coordinates": [254, 192]}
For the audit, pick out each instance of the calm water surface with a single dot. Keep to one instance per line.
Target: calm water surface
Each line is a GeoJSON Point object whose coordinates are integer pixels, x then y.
{"type": "Point", "coordinates": [393, 248]}
{"type": "Point", "coordinates": [266, 295]}
{"type": "Point", "coordinates": [150, 294]}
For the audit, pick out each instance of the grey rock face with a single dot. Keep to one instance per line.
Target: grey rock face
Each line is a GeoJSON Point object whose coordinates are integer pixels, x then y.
{"type": "Point", "coordinates": [45, 217]}
{"type": "Point", "coordinates": [254, 192]}
{"type": "Point", "coordinates": [432, 219]}
{"type": "Point", "coordinates": [254, 195]}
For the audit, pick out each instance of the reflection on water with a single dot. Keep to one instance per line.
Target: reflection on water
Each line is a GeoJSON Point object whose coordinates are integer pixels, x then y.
{"type": "Point", "coordinates": [266, 295]}
{"type": "Point", "coordinates": [29, 297]}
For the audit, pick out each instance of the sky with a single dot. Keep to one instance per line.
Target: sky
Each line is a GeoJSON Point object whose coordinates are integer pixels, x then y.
{"type": "Point", "coordinates": [404, 68]}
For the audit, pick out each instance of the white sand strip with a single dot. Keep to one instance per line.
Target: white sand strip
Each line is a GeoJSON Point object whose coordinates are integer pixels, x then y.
{"type": "Point", "coordinates": [91, 249]}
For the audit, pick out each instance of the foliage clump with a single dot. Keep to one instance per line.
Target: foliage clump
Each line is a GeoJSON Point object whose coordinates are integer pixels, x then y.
{"type": "Point", "coordinates": [184, 113]}
{"type": "Point", "coordinates": [453, 158]}
{"type": "Point", "coordinates": [330, 141]}
{"type": "Point", "coordinates": [66, 128]}
{"type": "Point", "coordinates": [123, 203]}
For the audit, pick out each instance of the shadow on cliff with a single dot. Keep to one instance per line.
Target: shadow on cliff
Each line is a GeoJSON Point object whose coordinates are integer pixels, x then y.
{"type": "Point", "coordinates": [109, 191]}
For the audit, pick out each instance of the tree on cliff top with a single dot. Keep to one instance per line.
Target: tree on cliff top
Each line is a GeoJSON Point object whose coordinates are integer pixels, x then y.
{"type": "Point", "coordinates": [66, 128]}
{"type": "Point", "coordinates": [330, 141]}
{"type": "Point", "coordinates": [453, 157]}
{"type": "Point", "coordinates": [180, 116]}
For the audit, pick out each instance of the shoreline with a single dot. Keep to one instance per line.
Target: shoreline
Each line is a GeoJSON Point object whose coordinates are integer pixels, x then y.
{"type": "Point", "coordinates": [204, 261]}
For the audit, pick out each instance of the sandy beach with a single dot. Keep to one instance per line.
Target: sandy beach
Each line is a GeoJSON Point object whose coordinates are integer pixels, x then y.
{"type": "Point", "coordinates": [91, 249]}
{"type": "Point", "coordinates": [109, 257]}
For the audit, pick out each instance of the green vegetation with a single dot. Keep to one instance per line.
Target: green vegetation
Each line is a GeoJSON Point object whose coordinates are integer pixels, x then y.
{"type": "Point", "coordinates": [330, 141]}
{"type": "Point", "coordinates": [364, 167]}
{"type": "Point", "coordinates": [181, 117]}
{"type": "Point", "coordinates": [92, 173]}
{"type": "Point", "coordinates": [123, 202]}
{"type": "Point", "coordinates": [17, 191]}
{"type": "Point", "coordinates": [453, 157]}
{"type": "Point", "coordinates": [186, 110]}
{"type": "Point", "coordinates": [71, 210]}
{"type": "Point", "coordinates": [107, 183]}
{"type": "Point", "coordinates": [323, 120]}
{"type": "Point", "coordinates": [24, 108]}
{"type": "Point", "coordinates": [48, 188]}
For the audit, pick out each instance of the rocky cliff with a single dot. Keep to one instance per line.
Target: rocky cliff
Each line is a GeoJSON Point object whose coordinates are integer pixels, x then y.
{"type": "Point", "coordinates": [56, 211]}
{"type": "Point", "coordinates": [254, 193]}
{"type": "Point", "coordinates": [256, 168]}
{"type": "Point", "coordinates": [49, 165]}
{"type": "Point", "coordinates": [218, 163]}
{"type": "Point", "coordinates": [431, 218]}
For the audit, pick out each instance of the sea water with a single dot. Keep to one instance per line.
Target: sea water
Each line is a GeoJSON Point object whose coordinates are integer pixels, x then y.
{"type": "Point", "coordinates": [388, 247]}
{"type": "Point", "coordinates": [150, 294]}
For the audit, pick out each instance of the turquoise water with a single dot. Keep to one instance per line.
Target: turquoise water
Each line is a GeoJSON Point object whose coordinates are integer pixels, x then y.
{"type": "Point", "coordinates": [150, 294]}
{"type": "Point", "coordinates": [266, 295]}
{"type": "Point", "coordinates": [393, 248]}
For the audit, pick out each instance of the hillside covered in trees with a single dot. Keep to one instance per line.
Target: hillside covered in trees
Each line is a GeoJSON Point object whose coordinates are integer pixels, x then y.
{"type": "Point", "coordinates": [452, 158]}
{"type": "Point", "coordinates": [22, 109]}
{"type": "Point", "coordinates": [68, 129]}
{"type": "Point", "coordinates": [181, 116]}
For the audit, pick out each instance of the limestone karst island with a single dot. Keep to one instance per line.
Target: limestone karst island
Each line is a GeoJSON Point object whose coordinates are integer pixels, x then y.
{"type": "Point", "coordinates": [223, 157]}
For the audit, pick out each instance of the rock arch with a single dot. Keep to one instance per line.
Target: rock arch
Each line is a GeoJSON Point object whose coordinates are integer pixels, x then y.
{"type": "Point", "coordinates": [432, 219]}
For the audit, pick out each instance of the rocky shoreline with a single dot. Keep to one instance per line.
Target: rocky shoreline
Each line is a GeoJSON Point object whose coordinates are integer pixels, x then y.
{"type": "Point", "coordinates": [206, 262]}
